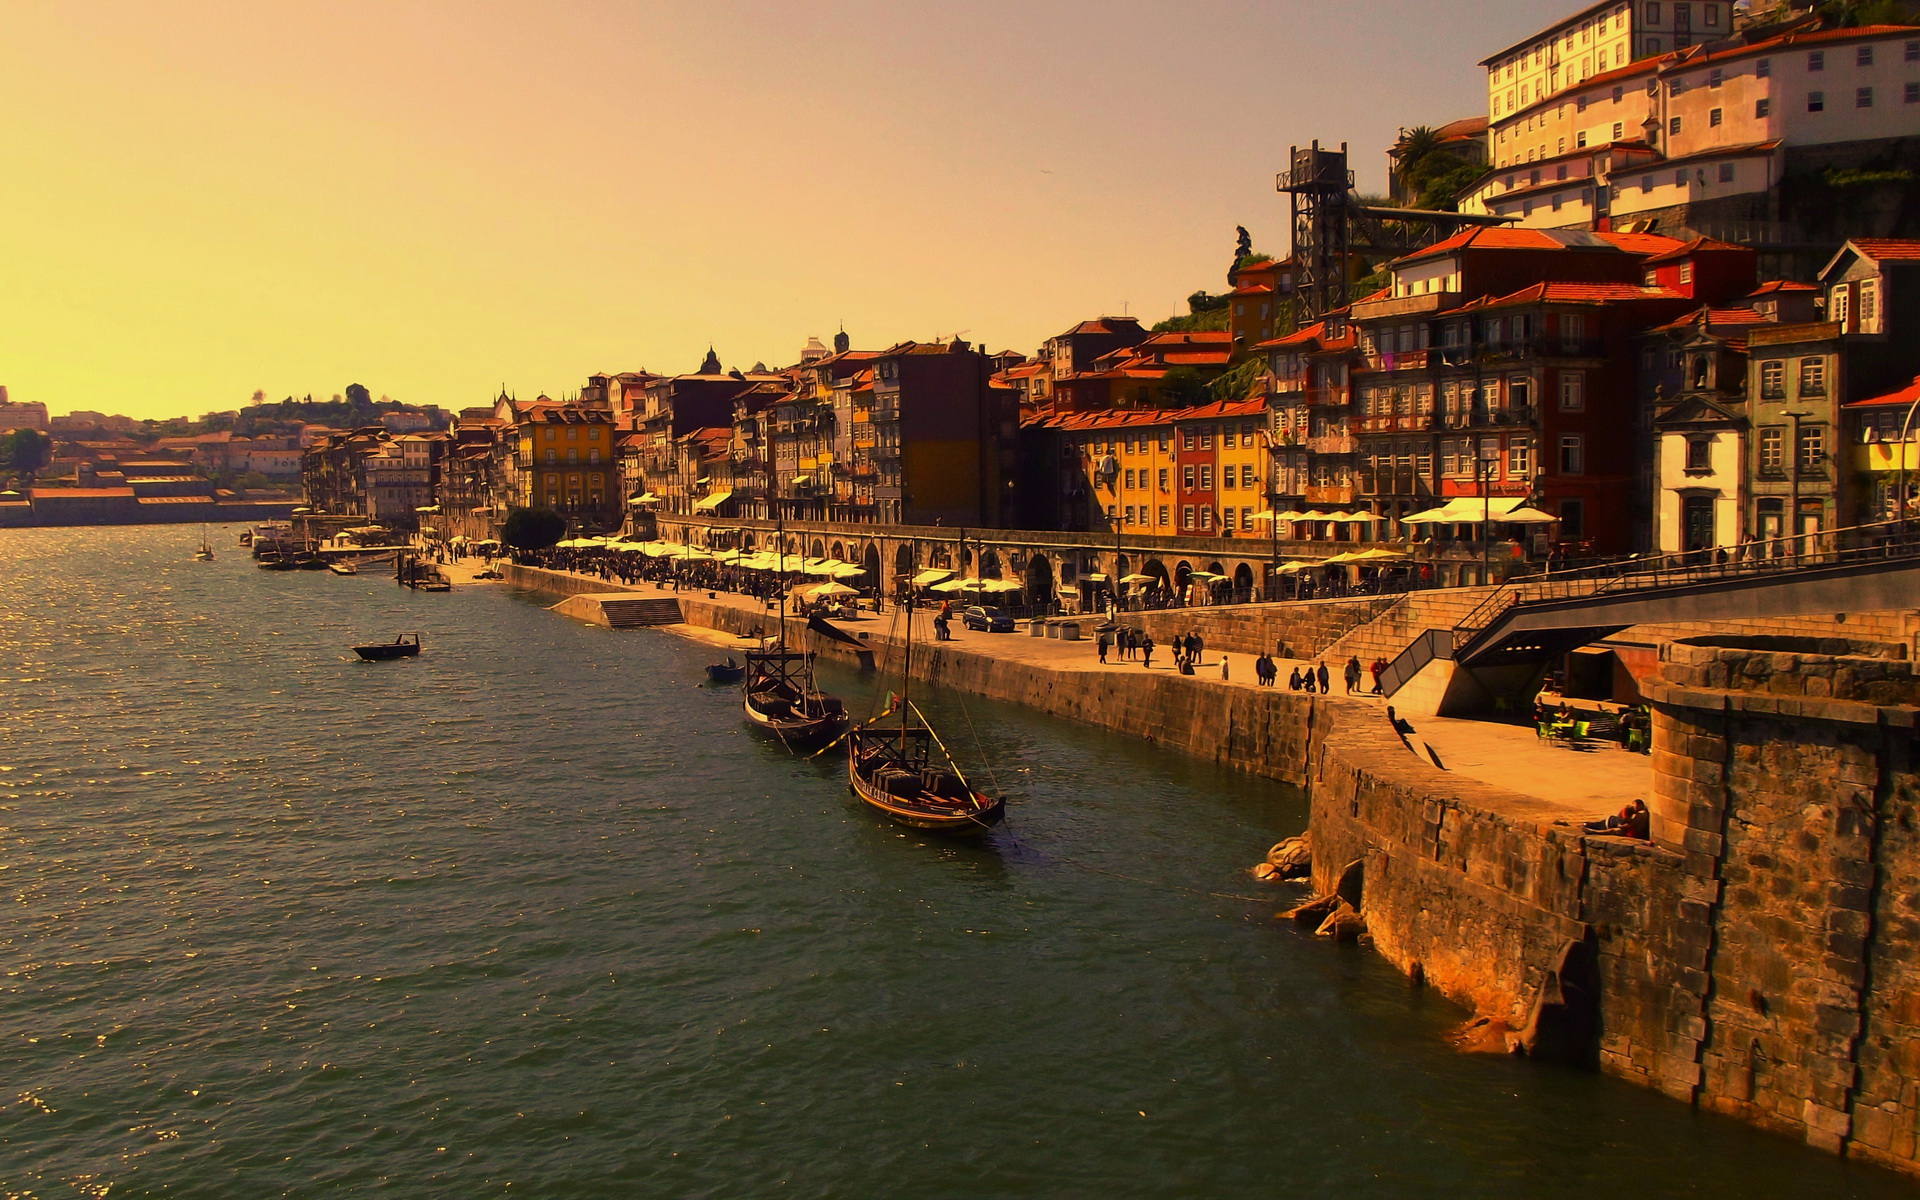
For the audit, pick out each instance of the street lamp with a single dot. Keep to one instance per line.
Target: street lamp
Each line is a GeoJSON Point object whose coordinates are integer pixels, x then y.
{"type": "Point", "coordinates": [1483, 469]}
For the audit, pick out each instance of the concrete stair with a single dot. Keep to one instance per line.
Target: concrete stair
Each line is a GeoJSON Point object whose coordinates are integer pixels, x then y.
{"type": "Point", "coordinates": [1392, 631]}
{"type": "Point", "coordinates": [640, 613]}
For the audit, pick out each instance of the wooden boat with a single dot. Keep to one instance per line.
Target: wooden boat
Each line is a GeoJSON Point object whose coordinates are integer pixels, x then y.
{"type": "Point", "coordinates": [340, 566]}
{"type": "Point", "coordinates": [780, 698]}
{"type": "Point", "coordinates": [307, 560]}
{"type": "Point", "coordinates": [399, 647]}
{"type": "Point", "coordinates": [728, 672]}
{"type": "Point", "coordinates": [205, 552]}
{"type": "Point", "coordinates": [277, 562]}
{"type": "Point", "coordinates": [895, 772]}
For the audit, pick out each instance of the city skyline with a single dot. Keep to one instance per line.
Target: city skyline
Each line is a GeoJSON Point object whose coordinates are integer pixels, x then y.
{"type": "Point", "coordinates": [435, 204]}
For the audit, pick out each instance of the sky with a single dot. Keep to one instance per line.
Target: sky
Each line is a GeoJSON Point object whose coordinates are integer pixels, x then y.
{"type": "Point", "coordinates": [438, 199]}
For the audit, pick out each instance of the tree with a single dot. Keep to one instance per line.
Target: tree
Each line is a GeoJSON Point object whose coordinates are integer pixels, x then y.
{"type": "Point", "coordinates": [359, 396]}
{"type": "Point", "coordinates": [28, 450]}
{"type": "Point", "coordinates": [532, 528]}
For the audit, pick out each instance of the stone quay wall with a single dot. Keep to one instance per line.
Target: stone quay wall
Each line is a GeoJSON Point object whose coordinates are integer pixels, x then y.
{"type": "Point", "coordinates": [1760, 957]}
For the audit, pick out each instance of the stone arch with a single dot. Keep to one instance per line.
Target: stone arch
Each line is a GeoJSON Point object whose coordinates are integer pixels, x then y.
{"type": "Point", "coordinates": [1243, 580]}
{"type": "Point", "coordinates": [902, 561]}
{"type": "Point", "coordinates": [1039, 580]}
{"type": "Point", "coordinates": [819, 549]}
{"type": "Point", "coordinates": [1180, 573]}
{"type": "Point", "coordinates": [1214, 568]}
{"type": "Point", "coordinates": [1158, 570]}
{"type": "Point", "coordinates": [748, 540]}
{"type": "Point", "coordinates": [989, 565]}
{"type": "Point", "coordinates": [870, 562]}
{"type": "Point", "coordinates": [837, 552]}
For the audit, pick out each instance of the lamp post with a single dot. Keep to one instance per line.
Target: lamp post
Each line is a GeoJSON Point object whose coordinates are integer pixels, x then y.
{"type": "Point", "coordinates": [1483, 469]}
{"type": "Point", "coordinates": [1900, 497]}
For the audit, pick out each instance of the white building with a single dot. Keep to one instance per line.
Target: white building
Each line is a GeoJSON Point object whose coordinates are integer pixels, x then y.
{"type": "Point", "coordinates": [1699, 466]}
{"type": "Point", "coordinates": [25, 414]}
{"type": "Point", "coordinates": [1701, 125]}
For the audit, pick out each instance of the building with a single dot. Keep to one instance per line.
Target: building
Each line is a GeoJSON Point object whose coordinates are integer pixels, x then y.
{"type": "Point", "coordinates": [1259, 307]}
{"type": "Point", "coordinates": [563, 459]}
{"type": "Point", "coordinates": [23, 414]}
{"type": "Point", "coordinates": [943, 437]}
{"type": "Point", "coordinates": [1882, 454]}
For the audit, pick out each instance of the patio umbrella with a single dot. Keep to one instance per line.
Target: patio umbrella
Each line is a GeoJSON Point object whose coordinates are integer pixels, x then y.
{"type": "Point", "coordinates": [1378, 554]}
{"type": "Point", "coordinates": [848, 571]}
{"type": "Point", "coordinates": [832, 589]}
{"type": "Point", "coordinates": [1139, 579]}
{"type": "Point", "coordinates": [1527, 516]}
{"type": "Point", "coordinates": [999, 586]}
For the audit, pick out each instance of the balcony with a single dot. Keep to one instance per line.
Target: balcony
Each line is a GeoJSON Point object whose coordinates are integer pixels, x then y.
{"type": "Point", "coordinates": [1332, 443]}
{"type": "Point", "coordinates": [1328, 397]}
{"type": "Point", "coordinates": [1405, 306]}
{"type": "Point", "coordinates": [1401, 360]}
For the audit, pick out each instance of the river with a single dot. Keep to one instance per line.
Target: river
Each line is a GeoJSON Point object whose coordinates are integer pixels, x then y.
{"type": "Point", "coordinates": [533, 915]}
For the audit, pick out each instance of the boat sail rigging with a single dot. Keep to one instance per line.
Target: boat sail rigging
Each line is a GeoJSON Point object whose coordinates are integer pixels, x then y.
{"type": "Point", "coordinates": [780, 696]}
{"type": "Point", "coordinates": [906, 772]}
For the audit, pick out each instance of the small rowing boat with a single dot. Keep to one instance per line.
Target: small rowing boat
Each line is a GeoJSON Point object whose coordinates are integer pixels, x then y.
{"type": "Point", "coordinates": [399, 647]}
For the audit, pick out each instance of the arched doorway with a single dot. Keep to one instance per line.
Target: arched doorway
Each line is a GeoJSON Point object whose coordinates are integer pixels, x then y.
{"type": "Point", "coordinates": [989, 565]}
{"type": "Point", "coordinates": [819, 549]}
{"type": "Point", "coordinates": [870, 561]}
{"type": "Point", "coordinates": [1040, 582]}
{"type": "Point", "coordinates": [747, 541]}
{"type": "Point", "coordinates": [1243, 582]}
{"type": "Point", "coordinates": [1158, 571]}
{"type": "Point", "coordinates": [837, 552]}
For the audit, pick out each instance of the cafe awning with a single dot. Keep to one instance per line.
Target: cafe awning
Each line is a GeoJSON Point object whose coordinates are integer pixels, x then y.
{"type": "Point", "coordinates": [710, 502]}
{"type": "Point", "coordinates": [928, 578]}
{"type": "Point", "coordinates": [428, 508]}
{"type": "Point", "coordinates": [644, 498]}
{"type": "Point", "coordinates": [1138, 579]}
{"type": "Point", "coordinates": [1095, 577]}
{"type": "Point", "coordinates": [1472, 509]}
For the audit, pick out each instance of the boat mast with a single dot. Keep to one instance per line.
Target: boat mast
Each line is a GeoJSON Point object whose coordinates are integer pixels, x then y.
{"type": "Point", "coordinates": [906, 665]}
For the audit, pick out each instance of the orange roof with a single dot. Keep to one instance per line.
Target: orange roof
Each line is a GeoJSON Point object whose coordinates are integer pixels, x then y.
{"type": "Point", "coordinates": [1106, 325]}
{"type": "Point", "coordinates": [1906, 395]}
{"type": "Point", "coordinates": [1781, 285]}
{"type": "Point", "coordinates": [1699, 245]}
{"type": "Point", "coordinates": [1568, 240]}
{"type": "Point", "coordinates": [1249, 289]}
{"type": "Point", "coordinates": [1572, 293]}
{"type": "Point", "coordinates": [1883, 249]}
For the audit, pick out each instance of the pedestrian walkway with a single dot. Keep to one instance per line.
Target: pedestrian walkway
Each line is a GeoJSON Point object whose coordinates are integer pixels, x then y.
{"type": "Point", "coordinates": [1574, 783]}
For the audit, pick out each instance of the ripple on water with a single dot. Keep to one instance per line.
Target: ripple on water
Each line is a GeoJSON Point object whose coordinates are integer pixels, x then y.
{"type": "Point", "coordinates": [532, 910]}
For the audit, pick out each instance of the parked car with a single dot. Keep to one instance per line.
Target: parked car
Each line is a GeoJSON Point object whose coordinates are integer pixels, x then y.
{"type": "Point", "coordinates": [987, 619]}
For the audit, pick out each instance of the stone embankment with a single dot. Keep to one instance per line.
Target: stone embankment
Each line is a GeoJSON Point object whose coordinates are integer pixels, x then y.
{"type": "Point", "coordinates": [1760, 956]}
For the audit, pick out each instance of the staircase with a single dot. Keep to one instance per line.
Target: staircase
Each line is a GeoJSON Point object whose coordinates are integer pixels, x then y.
{"type": "Point", "coordinates": [638, 614]}
{"type": "Point", "coordinates": [1387, 635]}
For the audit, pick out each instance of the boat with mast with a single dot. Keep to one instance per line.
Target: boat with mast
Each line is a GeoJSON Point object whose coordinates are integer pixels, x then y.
{"type": "Point", "coordinates": [205, 552]}
{"type": "Point", "coordinates": [906, 773]}
{"type": "Point", "coordinates": [780, 695]}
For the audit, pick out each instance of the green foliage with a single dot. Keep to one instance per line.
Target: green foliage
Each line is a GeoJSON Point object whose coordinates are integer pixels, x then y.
{"type": "Point", "coordinates": [359, 397]}
{"type": "Point", "coordinates": [1851, 13]}
{"type": "Point", "coordinates": [1240, 382]}
{"type": "Point", "coordinates": [1247, 260]}
{"type": "Point", "coordinates": [532, 528]}
{"type": "Point", "coordinates": [1840, 177]}
{"type": "Point", "coordinates": [1210, 319]}
{"type": "Point", "coordinates": [28, 450]}
{"type": "Point", "coordinates": [1185, 386]}
{"type": "Point", "coordinates": [1430, 174]}
{"type": "Point", "coordinates": [254, 479]}
{"type": "Point", "coordinates": [1370, 284]}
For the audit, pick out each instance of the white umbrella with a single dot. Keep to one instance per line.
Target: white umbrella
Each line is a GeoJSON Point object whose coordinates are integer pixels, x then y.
{"type": "Point", "coordinates": [1527, 516]}
{"type": "Point", "coordinates": [1139, 579]}
{"type": "Point", "coordinates": [832, 589]}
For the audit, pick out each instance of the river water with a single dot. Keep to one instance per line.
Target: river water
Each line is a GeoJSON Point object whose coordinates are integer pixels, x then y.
{"type": "Point", "coordinates": [533, 915]}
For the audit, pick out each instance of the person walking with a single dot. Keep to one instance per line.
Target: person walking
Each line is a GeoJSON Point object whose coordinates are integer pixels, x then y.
{"type": "Point", "coordinates": [1352, 673]}
{"type": "Point", "coordinates": [1101, 642]}
{"type": "Point", "coordinates": [1223, 668]}
{"type": "Point", "coordinates": [1146, 651]}
{"type": "Point", "coordinates": [1379, 668]}
{"type": "Point", "coordinates": [1325, 678]}
{"type": "Point", "coordinates": [1199, 647]}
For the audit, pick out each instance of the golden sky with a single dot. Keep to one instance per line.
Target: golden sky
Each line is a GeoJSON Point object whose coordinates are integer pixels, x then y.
{"type": "Point", "coordinates": [434, 199]}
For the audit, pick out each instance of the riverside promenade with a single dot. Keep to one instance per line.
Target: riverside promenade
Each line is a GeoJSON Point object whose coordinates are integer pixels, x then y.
{"type": "Point", "coordinates": [1564, 784]}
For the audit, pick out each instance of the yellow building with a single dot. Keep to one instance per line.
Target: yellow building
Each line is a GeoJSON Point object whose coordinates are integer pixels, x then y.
{"type": "Point", "coordinates": [564, 460]}
{"type": "Point", "coordinates": [1199, 471]}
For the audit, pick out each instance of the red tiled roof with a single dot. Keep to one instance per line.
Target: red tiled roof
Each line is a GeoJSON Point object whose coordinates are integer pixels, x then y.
{"type": "Point", "coordinates": [1716, 318]}
{"type": "Point", "coordinates": [1124, 417]}
{"type": "Point", "coordinates": [1781, 285]}
{"type": "Point", "coordinates": [1249, 289]}
{"type": "Point", "coordinates": [1572, 293]}
{"type": "Point", "coordinates": [1567, 240]}
{"type": "Point", "coordinates": [1882, 249]}
{"type": "Point", "coordinates": [1699, 245]}
{"type": "Point", "coordinates": [1905, 396]}
{"type": "Point", "coordinates": [1106, 325]}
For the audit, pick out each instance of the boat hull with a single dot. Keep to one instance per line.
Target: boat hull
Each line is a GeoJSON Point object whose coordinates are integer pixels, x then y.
{"type": "Point", "coordinates": [797, 733]}
{"type": "Point", "coordinates": [915, 815]}
{"type": "Point", "coordinates": [718, 674]}
{"type": "Point", "coordinates": [385, 651]}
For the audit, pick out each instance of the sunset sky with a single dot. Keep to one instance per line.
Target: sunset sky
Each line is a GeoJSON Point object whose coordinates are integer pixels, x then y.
{"type": "Point", "coordinates": [435, 199]}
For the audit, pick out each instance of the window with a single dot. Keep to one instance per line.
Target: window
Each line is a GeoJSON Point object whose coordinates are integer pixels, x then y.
{"type": "Point", "coordinates": [1580, 105]}
{"type": "Point", "coordinates": [1618, 128]}
{"type": "Point", "coordinates": [1163, 483]}
{"type": "Point", "coordinates": [1913, 51]}
{"type": "Point", "coordinates": [1762, 109]}
{"type": "Point", "coordinates": [1573, 391]}
{"type": "Point", "coordinates": [1813, 377]}
{"type": "Point", "coordinates": [1228, 477]}
{"type": "Point", "coordinates": [1130, 514]}
{"type": "Point", "coordinates": [1226, 520]}
{"type": "Point", "coordinates": [1913, 93]}
{"type": "Point", "coordinates": [1763, 69]}
{"type": "Point", "coordinates": [1163, 514]}
{"type": "Point", "coordinates": [1573, 520]}
{"type": "Point", "coordinates": [1680, 177]}
{"type": "Point", "coordinates": [1773, 380]}
{"type": "Point", "coordinates": [1713, 15]}
{"type": "Point", "coordinates": [1863, 56]}
{"type": "Point", "coordinates": [593, 456]}
{"type": "Point", "coordinates": [1206, 437]}
{"type": "Point", "coordinates": [1715, 117]}
{"type": "Point", "coordinates": [1699, 453]}
{"type": "Point", "coordinates": [1580, 139]}
{"type": "Point", "coordinates": [1246, 475]}
{"type": "Point", "coordinates": [1206, 517]}
{"type": "Point", "coordinates": [1653, 14]}
{"type": "Point", "coordinates": [1206, 479]}
{"type": "Point", "coordinates": [1869, 319]}
{"type": "Point", "coordinates": [1186, 477]}
{"type": "Point", "coordinates": [1863, 97]}
{"type": "Point", "coordinates": [1573, 454]}
{"type": "Point", "coordinates": [553, 456]}
{"type": "Point", "coordinates": [1673, 126]}
{"type": "Point", "coordinates": [1186, 516]}
{"type": "Point", "coordinates": [1816, 102]}
{"type": "Point", "coordinates": [1813, 445]}
{"type": "Point", "coordinates": [1619, 94]}
{"type": "Point", "coordinates": [1646, 183]}
{"type": "Point", "coordinates": [1129, 484]}
{"type": "Point", "coordinates": [1186, 439]}
{"type": "Point", "coordinates": [1726, 172]}
{"type": "Point", "coordinates": [1816, 60]}
{"type": "Point", "coordinates": [1715, 78]}
{"type": "Point", "coordinates": [1837, 307]}
{"type": "Point", "coordinates": [550, 435]}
